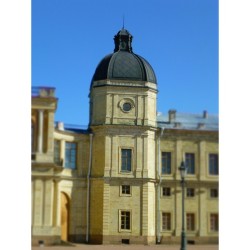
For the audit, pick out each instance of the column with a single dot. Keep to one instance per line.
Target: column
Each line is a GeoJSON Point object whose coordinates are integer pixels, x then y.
{"type": "Point", "coordinates": [40, 130]}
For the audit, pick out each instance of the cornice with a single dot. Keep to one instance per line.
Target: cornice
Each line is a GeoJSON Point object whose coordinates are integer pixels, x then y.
{"type": "Point", "coordinates": [124, 83]}
{"type": "Point", "coordinates": [129, 128]}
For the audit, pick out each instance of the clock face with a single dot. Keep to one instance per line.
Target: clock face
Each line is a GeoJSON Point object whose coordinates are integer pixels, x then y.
{"type": "Point", "coordinates": [126, 106]}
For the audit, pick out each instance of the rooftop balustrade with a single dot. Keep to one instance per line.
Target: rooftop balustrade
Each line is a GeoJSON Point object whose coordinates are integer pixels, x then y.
{"type": "Point", "coordinates": [43, 92]}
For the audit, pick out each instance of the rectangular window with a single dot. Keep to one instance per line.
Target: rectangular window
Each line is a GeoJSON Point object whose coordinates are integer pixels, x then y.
{"type": "Point", "coordinates": [213, 164]}
{"type": "Point", "coordinates": [214, 222]}
{"type": "Point", "coordinates": [165, 162]}
{"type": "Point", "coordinates": [214, 193]}
{"type": "Point", "coordinates": [166, 221]}
{"type": "Point", "coordinates": [190, 192]}
{"type": "Point", "coordinates": [190, 163]}
{"type": "Point", "coordinates": [126, 160]}
{"type": "Point", "coordinates": [126, 189]}
{"type": "Point", "coordinates": [70, 155]}
{"type": "Point", "coordinates": [166, 191]}
{"type": "Point", "coordinates": [125, 220]}
{"type": "Point", "coordinates": [57, 150]}
{"type": "Point", "coordinates": [190, 222]}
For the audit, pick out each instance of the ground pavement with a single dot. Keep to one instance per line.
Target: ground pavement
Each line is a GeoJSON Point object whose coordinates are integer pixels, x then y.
{"type": "Point", "coordinates": [126, 247]}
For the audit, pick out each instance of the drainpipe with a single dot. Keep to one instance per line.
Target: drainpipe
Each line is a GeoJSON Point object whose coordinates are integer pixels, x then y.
{"type": "Point", "coordinates": [88, 186]}
{"type": "Point", "coordinates": [159, 189]}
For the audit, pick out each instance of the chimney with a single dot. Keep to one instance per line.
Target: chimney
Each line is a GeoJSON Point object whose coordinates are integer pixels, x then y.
{"type": "Point", "coordinates": [201, 125]}
{"type": "Point", "coordinates": [60, 126]}
{"type": "Point", "coordinates": [171, 115]}
{"type": "Point", "coordinates": [177, 124]}
{"type": "Point", "coordinates": [205, 114]}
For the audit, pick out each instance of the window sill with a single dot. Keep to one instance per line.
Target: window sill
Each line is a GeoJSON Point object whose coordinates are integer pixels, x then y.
{"type": "Point", "coordinates": [125, 231]}
{"type": "Point", "coordinates": [190, 197]}
{"type": "Point", "coordinates": [125, 195]}
{"type": "Point", "coordinates": [166, 196]}
{"type": "Point", "coordinates": [126, 172]}
{"type": "Point", "coordinates": [168, 231]}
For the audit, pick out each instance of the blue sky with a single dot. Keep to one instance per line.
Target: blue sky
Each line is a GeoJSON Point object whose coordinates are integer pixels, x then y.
{"type": "Point", "coordinates": [179, 38]}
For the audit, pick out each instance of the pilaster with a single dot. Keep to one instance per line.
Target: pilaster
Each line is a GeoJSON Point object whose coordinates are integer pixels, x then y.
{"type": "Point", "coordinates": [62, 150]}
{"type": "Point", "coordinates": [202, 212]}
{"type": "Point", "coordinates": [114, 158]}
{"type": "Point", "coordinates": [48, 202]}
{"type": "Point", "coordinates": [145, 156]}
{"type": "Point", "coordinates": [178, 209]}
{"type": "Point", "coordinates": [115, 109]}
{"type": "Point", "coordinates": [202, 160]}
{"type": "Point", "coordinates": [108, 156]}
{"type": "Point", "coordinates": [179, 158]}
{"type": "Point", "coordinates": [50, 135]}
{"type": "Point", "coordinates": [148, 211]}
{"type": "Point", "coordinates": [38, 202]}
{"type": "Point", "coordinates": [139, 156]}
{"type": "Point", "coordinates": [106, 208]}
{"type": "Point", "coordinates": [56, 204]}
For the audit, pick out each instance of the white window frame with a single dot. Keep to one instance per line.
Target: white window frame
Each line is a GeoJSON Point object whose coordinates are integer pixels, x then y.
{"type": "Point", "coordinates": [168, 229]}
{"type": "Point", "coordinates": [123, 194]}
{"type": "Point", "coordinates": [120, 161]}
{"type": "Point", "coordinates": [120, 220]}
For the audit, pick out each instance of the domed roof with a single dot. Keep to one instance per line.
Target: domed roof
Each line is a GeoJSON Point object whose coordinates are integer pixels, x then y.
{"type": "Point", "coordinates": [123, 64]}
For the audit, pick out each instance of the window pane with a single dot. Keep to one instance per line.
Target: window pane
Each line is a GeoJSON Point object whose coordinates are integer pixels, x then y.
{"type": "Point", "coordinates": [190, 222]}
{"type": "Point", "coordinates": [166, 163]}
{"type": "Point", "coordinates": [125, 220]}
{"type": "Point", "coordinates": [126, 159]}
{"type": "Point", "coordinates": [166, 191]}
{"type": "Point", "coordinates": [214, 222]}
{"type": "Point", "coordinates": [70, 155]}
{"type": "Point", "coordinates": [213, 164]}
{"type": "Point", "coordinates": [166, 221]}
{"type": "Point", "coordinates": [189, 161]}
{"type": "Point", "coordinates": [214, 193]}
{"type": "Point", "coordinates": [190, 192]}
{"type": "Point", "coordinates": [125, 189]}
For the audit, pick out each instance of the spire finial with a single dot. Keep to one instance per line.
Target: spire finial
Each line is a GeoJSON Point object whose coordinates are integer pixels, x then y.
{"type": "Point", "coordinates": [123, 18]}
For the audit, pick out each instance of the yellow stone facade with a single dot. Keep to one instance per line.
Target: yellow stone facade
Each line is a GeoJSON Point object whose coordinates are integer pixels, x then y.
{"type": "Point", "coordinates": [94, 188]}
{"type": "Point", "coordinates": [116, 192]}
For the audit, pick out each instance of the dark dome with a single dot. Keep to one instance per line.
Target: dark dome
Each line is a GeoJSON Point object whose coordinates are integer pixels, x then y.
{"type": "Point", "coordinates": [123, 64]}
